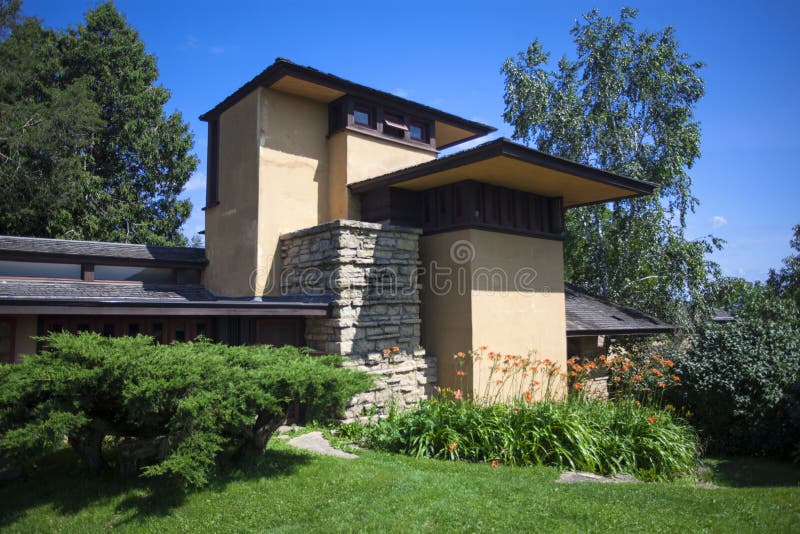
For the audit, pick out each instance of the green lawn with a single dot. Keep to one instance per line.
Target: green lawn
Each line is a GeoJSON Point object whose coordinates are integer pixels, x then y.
{"type": "Point", "coordinates": [294, 491]}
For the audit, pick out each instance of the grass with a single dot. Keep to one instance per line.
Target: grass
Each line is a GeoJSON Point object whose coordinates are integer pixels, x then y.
{"type": "Point", "coordinates": [295, 491]}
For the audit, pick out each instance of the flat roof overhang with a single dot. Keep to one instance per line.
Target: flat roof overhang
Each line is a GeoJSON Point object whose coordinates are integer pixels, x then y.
{"type": "Point", "coordinates": [117, 308]}
{"type": "Point", "coordinates": [508, 164]}
{"type": "Point", "coordinates": [289, 77]}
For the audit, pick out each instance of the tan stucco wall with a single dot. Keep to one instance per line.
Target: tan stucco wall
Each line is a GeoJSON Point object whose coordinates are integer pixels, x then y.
{"type": "Point", "coordinates": [293, 176]}
{"type": "Point", "coordinates": [279, 173]}
{"type": "Point", "coordinates": [528, 315]}
{"type": "Point", "coordinates": [446, 306]}
{"type": "Point", "coordinates": [355, 157]}
{"type": "Point", "coordinates": [231, 226]}
{"type": "Point", "coordinates": [24, 344]}
{"type": "Point", "coordinates": [514, 303]}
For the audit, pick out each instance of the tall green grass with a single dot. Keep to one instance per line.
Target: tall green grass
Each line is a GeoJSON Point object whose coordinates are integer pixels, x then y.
{"type": "Point", "coordinates": [588, 435]}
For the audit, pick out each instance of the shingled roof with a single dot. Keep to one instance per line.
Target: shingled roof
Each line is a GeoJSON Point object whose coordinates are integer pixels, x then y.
{"type": "Point", "coordinates": [117, 298]}
{"type": "Point", "coordinates": [68, 251]}
{"type": "Point", "coordinates": [588, 315]}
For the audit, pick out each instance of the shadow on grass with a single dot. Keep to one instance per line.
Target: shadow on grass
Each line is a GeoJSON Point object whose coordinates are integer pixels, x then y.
{"type": "Point", "coordinates": [749, 472]}
{"type": "Point", "coordinates": [60, 482]}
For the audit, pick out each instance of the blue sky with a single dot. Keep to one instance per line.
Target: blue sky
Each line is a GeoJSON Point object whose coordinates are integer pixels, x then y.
{"type": "Point", "coordinates": [448, 55]}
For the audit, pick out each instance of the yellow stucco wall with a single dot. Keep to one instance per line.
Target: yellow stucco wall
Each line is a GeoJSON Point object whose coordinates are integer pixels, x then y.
{"type": "Point", "coordinates": [231, 226]}
{"type": "Point", "coordinates": [514, 303]}
{"type": "Point", "coordinates": [525, 313]}
{"type": "Point", "coordinates": [293, 176]}
{"type": "Point", "coordinates": [446, 306]}
{"type": "Point", "coordinates": [355, 157]}
{"type": "Point", "coordinates": [279, 172]}
{"type": "Point", "coordinates": [24, 344]}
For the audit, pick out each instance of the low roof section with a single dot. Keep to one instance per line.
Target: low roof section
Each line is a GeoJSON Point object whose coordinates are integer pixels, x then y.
{"type": "Point", "coordinates": [508, 164]}
{"type": "Point", "coordinates": [36, 296]}
{"type": "Point", "coordinates": [72, 251]}
{"type": "Point", "coordinates": [288, 77]}
{"type": "Point", "coordinates": [588, 315]}
{"type": "Point", "coordinates": [58, 297]}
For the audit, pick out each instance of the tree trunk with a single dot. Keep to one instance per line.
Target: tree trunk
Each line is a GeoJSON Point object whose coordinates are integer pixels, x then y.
{"type": "Point", "coordinates": [88, 445]}
{"type": "Point", "coordinates": [263, 429]}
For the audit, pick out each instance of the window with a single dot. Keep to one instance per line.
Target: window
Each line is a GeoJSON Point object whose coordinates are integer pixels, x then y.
{"type": "Point", "coordinates": [40, 270]}
{"type": "Point", "coordinates": [212, 175]}
{"type": "Point", "coordinates": [418, 132]}
{"type": "Point", "coordinates": [394, 125]}
{"type": "Point", "coordinates": [134, 274]}
{"type": "Point", "coordinates": [362, 116]}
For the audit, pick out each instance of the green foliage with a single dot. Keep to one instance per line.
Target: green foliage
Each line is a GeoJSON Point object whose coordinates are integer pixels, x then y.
{"type": "Point", "coordinates": [741, 378]}
{"type": "Point", "coordinates": [626, 105]}
{"type": "Point", "coordinates": [785, 282]}
{"type": "Point", "coordinates": [86, 149]}
{"type": "Point", "coordinates": [171, 409]}
{"type": "Point", "coordinates": [587, 435]}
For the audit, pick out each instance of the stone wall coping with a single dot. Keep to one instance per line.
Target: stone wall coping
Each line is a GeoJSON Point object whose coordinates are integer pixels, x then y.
{"type": "Point", "coordinates": [346, 223]}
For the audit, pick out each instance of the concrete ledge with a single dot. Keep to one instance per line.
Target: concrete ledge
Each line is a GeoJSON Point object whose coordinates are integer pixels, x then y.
{"type": "Point", "coordinates": [346, 223]}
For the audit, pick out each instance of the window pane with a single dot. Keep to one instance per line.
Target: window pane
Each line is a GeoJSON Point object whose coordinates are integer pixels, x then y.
{"type": "Point", "coordinates": [361, 116]}
{"type": "Point", "coordinates": [417, 132]}
{"type": "Point", "coordinates": [41, 270]}
{"type": "Point", "coordinates": [137, 274]}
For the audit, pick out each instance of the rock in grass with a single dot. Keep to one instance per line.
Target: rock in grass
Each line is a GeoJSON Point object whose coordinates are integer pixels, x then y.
{"type": "Point", "coordinates": [573, 477]}
{"type": "Point", "coordinates": [315, 442]}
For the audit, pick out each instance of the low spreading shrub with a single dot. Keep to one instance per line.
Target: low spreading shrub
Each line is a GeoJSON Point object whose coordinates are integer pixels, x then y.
{"type": "Point", "coordinates": [164, 409]}
{"type": "Point", "coordinates": [592, 435]}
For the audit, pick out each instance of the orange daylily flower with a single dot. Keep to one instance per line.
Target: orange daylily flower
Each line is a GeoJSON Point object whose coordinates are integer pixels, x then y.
{"type": "Point", "coordinates": [495, 463]}
{"type": "Point", "coordinates": [662, 385]}
{"type": "Point", "coordinates": [528, 396]}
{"type": "Point", "coordinates": [578, 386]}
{"type": "Point", "coordinates": [453, 446]}
{"type": "Point", "coordinates": [652, 419]}
{"type": "Point", "coordinates": [460, 373]}
{"type": "Point", "coordinates": [395, 349]}
{"type": "Point", "coordinates": [386, 351]}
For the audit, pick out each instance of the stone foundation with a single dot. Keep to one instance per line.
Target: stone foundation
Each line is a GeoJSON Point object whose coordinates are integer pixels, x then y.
{"type": "Point", "coordinates": [370, 272]}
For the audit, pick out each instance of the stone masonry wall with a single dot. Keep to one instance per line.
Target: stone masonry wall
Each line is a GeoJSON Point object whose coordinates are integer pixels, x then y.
{"type": "Point", "coordinates": [370, 272]}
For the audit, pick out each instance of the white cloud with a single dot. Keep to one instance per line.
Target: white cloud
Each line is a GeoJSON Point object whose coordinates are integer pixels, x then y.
{"type": "Point", "coordinates": [191, 42]}
{"type": "Point", "coordinates": [718, 221]}
{"type": "Point", "coordinates": [196, 183]}
{"type": "Point", "coordinates": [402, 93]}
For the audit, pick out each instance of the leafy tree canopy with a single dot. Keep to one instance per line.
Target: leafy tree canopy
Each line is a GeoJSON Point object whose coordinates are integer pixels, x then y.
{"type": "Point", "coordinates": [86, 148]}
{"type": "Point", "coordinates": [785, 282]}
{"type": "Point", "coordinates": [625, 104]}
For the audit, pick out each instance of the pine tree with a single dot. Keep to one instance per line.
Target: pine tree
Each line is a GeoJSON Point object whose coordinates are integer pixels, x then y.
{"type": "Point", "coordinates": [89, 151]}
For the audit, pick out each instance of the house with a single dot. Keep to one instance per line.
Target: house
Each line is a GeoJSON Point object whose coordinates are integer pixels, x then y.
{"type": "Point", "coordinates": [332, 222]}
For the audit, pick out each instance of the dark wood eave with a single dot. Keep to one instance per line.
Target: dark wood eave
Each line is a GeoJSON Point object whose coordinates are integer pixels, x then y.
{"type": "Point", "coordinates": [283, 67]}
{"type": "Point", "coordinates": [504, 147]}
